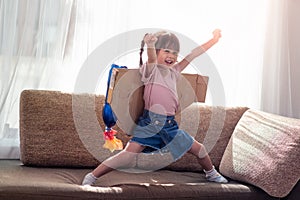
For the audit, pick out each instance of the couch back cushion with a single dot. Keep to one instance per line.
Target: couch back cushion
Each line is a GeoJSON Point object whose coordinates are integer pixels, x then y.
{"type": "Point", "coordinates": [61, 129]}
{"type": "Point", "coordinates": [264, 150]}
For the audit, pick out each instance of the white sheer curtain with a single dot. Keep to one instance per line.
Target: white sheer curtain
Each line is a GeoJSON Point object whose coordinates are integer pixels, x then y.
{"type": "Point", "coordinates": [281, 67]}
{"type": "Point", "coordinates": [43, 44]}
{"type": "Point", "coordinates": [36, 47]}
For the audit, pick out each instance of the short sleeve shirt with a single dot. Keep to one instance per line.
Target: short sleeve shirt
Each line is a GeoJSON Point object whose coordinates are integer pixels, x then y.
{"type": "Point", "coordinates": [160, 92]}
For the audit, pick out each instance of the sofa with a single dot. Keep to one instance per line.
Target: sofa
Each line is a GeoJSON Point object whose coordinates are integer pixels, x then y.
{"type": "Point", "coordinates": [61, 140]}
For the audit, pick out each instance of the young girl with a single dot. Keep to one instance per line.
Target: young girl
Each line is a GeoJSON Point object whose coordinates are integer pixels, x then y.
{"type": "Point", "coordinates": [156, 128]}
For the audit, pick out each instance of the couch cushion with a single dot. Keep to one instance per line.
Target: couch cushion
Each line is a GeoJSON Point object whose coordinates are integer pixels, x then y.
{"type": "Point", "coordinates": [61, 129]}
{"type": "Point", "coordinates": [33, 183]}
{"type": "Point", "coordinates": [264, 150]}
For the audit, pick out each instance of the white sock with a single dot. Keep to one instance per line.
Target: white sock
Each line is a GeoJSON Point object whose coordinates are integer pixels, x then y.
{"type": "Point", "coordinates": [214, 176]}
{"type": "Point", "coordinates": [210, 172]}
{"type": "Point", "coordinates": [89, 179]}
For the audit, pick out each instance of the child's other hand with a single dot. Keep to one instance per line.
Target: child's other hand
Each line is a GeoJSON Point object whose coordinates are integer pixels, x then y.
{"type": "Point", "coordinates": [150, 39]}
{"type": "Point", "coordinates": [217, 34]}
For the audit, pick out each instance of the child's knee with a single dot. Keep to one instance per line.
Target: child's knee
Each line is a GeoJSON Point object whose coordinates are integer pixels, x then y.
{"type": "Point", "coordinates": [198, 150]}
{"type": "Point", "coordinates": [202, 152]}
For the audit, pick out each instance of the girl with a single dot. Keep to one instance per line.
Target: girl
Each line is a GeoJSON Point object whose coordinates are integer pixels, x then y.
{"type": "Point", "coordinates": [156, 129]}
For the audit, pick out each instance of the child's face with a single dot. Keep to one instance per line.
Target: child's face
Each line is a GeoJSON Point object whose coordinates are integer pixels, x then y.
{"type": "Point", "coordinates": [167, 57]}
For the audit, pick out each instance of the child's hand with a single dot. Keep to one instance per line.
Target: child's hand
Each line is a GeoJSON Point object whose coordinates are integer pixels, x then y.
{"type": "Point", "coordinates": [217, 34]}
{"type": "Point", "coordinates": [150, 39]}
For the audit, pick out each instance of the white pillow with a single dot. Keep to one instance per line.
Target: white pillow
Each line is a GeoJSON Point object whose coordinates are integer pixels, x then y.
{"type": "Point", "coordinates": [264, 150]}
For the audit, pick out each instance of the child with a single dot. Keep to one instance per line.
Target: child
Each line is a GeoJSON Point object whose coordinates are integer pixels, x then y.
{"type": "Point", "coordinates": [156, 128]}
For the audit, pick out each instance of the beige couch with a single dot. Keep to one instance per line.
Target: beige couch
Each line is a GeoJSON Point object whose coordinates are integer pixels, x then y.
{"type": "Point", "coordinates": [61, 140]}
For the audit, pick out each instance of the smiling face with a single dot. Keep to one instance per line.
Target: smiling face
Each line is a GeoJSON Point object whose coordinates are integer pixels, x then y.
{"type": "Point", "coordinates": [167, 48]}
{"type": "Point", "coordinates": [167, 57]}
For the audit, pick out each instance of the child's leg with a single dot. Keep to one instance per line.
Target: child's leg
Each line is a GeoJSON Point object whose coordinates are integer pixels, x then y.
{"type": "Point", "coordinates": [204, 160]}
{"type": "Point", "coordinates": [199, 151]}
{"type": "Point", "coordinates": [122, 159]}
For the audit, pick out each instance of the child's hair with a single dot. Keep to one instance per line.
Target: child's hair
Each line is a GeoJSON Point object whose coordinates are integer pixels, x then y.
{"type": "Point", "coordinates": [165, 40]}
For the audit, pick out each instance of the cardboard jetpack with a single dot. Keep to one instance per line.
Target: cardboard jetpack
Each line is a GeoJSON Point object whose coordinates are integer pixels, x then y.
{"type": "Point", "coordinates": [125, 95]}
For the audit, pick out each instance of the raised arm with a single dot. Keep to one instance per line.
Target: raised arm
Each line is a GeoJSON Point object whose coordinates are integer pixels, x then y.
{"type": "Point", "coordinates": [150, 41]}
{"type": "Point", "coordinates": [200, 50]}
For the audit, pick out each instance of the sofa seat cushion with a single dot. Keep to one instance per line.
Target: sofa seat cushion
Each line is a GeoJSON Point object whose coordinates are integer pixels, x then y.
{"type": "Point", "coordinates": [264, 150]}
{"type": "Point", "coordinates": [22, 182]}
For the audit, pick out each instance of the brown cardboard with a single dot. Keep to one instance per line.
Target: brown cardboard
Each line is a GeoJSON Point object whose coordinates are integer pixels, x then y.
{"type": "Point", "coordinates": [126, 94]}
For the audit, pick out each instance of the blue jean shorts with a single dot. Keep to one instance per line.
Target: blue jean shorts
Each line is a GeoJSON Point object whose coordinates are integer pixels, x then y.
{"type": "Point", "coordinates": [161, 133]}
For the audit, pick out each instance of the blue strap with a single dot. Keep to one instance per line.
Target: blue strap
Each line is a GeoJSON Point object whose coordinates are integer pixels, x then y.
{"type": "Point", "coordinates": [108, 115]}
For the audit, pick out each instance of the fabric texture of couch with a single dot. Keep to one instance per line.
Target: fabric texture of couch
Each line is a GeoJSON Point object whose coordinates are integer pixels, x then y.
{"type": "Point", "coordinates": [266, 146]}
{"type": "Point", "coordinates": [61, 140]}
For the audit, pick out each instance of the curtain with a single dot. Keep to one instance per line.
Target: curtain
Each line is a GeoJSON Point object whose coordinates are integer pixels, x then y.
{"type": "Point", "coordinates": [43, 44]}
{"type": "Point", "coordinates": [33, 44]}
{"type": "Point", "coordinates": [281, 70]}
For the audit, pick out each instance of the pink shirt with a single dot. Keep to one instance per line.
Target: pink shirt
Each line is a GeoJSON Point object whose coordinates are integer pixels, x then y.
{"type": "Point", "coordinates": [160, 93]}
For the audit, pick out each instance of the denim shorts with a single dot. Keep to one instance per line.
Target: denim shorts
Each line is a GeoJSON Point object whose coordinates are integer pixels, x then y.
{"type": "Point", "coordinates": [161, 133]}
